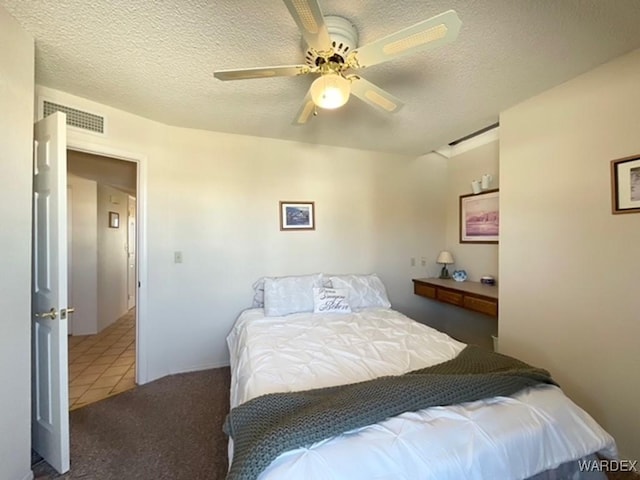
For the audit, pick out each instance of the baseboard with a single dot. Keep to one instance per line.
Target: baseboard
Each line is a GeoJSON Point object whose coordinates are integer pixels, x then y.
{"type": "Point", "coordinates": [195, 368]}
{"type": "Point", "coordinates": [198, 368]}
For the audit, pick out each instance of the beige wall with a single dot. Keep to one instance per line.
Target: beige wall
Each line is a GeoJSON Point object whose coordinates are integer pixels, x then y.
{"type": "Point", "coordinates": [569, 269]}
{"type": "Point", "coordinates": [16, 130]}
{"type": "Point", "coordinates": [214, 197]}
{"type": "Point", "coordinates": [219, 206]}
{"type": "Point", "coordinates": [476, 259]}
{"type": "Point", "coordinates": [112, 256]}
{"type": "Point", "coordinates": [83, 255]}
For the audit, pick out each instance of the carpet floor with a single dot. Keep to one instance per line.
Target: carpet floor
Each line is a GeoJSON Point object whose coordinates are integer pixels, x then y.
{"type": "Point", "coordinates": [170, 429]}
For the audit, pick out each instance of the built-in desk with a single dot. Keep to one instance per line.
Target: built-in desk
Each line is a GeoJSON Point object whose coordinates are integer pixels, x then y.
{"type": "Point", "coordinates": [470, 295]}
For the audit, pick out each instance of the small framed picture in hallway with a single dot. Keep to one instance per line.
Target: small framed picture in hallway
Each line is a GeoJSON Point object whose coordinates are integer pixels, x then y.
{"type": "Point", "coordinates": [114, 220]}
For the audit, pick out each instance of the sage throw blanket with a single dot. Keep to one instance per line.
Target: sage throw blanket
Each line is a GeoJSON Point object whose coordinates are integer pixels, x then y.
{"type": "Point", "coordinates": [271, 424]}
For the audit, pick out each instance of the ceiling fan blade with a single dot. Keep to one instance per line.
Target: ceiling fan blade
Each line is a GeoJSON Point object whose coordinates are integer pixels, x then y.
{"type": "Point", "coordinates": [263, 72]}
{"type": "Point", "coordinates": [310, 21]}
{"type": "Point", "coordinates": [374, 96]}
{"type": "Point", "coordinates": [429, 33]}
{"type": "Point", "coordinates": [306, 110]}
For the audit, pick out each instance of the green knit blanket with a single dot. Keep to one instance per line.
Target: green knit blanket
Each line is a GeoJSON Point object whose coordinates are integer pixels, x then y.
{"type": "Point", "coordinates": [271, 424]}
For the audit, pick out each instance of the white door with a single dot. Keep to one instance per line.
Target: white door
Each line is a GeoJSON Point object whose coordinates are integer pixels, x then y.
{"type": "Point", "coordinates": [70, 325]}
{"type": "Point", "coordinates": [50, 394]}
{"type": "Point", "coordinates": [131, 257]}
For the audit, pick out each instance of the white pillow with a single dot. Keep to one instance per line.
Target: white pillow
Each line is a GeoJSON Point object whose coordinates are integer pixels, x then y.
{"type": "Point", "coordinates": [364, 290]}
{"type": "Point", "coordinates": [285, 295]}
{"type": "Point", "coordinates": [258, 293]}
{"type": "Point", "coordinates": [258, 290]}
{"type": "Point", "coordinates": [331, 300]}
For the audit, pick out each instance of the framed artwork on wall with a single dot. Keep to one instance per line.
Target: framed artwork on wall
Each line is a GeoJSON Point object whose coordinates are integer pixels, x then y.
{"type": "Point", "coordinates": [297, 216]}
{"type": "Point", "coordinates": [480, 217]}
{"type": "Point", "coordinates": [625, 185]}
{"type": "Point", "coordinates": [114, 220]}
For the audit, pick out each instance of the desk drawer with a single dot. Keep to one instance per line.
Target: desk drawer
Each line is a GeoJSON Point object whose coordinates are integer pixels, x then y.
{"type": "Point", "coordinates": [449, 297]}
{"type": "Point", "coordinates": [424, 290]}
{"type": "Point", "coordinates": [482, 306]}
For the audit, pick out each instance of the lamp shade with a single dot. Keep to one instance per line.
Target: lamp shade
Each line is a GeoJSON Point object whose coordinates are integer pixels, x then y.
{"type": "Point", "coordinates": [445, 257]}
{"type": "Point", "coordinates": [330, 91]}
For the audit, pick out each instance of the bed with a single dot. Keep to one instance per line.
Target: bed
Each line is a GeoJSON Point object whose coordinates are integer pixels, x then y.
{"type": "Point", "coordinates": [354, 336]}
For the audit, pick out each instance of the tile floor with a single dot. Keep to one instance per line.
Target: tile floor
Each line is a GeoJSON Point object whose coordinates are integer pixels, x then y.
{"type": "Point", "coordinates": [104, 364]}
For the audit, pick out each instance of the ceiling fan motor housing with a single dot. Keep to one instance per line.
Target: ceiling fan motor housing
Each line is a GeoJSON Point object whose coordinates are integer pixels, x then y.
{"type": "Point", "coordinates": [344, 39]}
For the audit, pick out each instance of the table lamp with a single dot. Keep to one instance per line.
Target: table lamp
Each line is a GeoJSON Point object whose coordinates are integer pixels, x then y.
{"type": "Point", "coordinates": [444, 258]}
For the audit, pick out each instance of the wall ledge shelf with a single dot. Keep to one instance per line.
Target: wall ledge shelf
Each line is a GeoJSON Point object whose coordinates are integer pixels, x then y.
{"type": "Point", "coordinates": [474, 296]}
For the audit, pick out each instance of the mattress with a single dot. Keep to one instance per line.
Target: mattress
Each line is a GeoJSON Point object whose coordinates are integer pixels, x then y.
{"type": "Point", "coordinates": [513, 437]}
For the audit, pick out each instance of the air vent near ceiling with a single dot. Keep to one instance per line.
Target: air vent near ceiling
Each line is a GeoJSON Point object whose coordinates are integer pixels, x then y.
{"type": "Point", "coordinates": [76, 118]}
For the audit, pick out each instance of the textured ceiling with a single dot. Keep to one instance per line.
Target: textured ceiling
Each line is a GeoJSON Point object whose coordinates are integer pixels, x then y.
{"type": "Point", "coordinates": [156, 59]}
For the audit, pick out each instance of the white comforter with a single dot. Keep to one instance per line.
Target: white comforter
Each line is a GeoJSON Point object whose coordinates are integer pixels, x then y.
{"type": "Point", "coordinates": [497, 438]}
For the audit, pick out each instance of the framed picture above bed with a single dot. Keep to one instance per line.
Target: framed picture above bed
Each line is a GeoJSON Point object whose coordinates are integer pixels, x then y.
{"type": "Point", "coordinates": [479, 217]}
{"type": "Point", "coordinates": [625, 185]}
{"type": "Point", "coordinates": [297, 216]}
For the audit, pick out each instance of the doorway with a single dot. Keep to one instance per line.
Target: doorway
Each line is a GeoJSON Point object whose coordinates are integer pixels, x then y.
{"type": "Point", "coordinates": [50, 395]}
{"type": "Point", "coordinates": [102, 266]}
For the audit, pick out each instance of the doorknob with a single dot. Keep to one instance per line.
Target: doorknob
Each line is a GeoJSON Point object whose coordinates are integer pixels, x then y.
{"type": "Point", "coordinates": [65, 311]}
{"type": "Point", "coordinates": [51, 314]}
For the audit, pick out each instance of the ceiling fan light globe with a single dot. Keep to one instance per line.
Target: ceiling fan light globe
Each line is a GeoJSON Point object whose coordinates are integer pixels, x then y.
{"type": "Point", "coordinates": [330, 91]}
{"type": "Point", "coordinates": [332, 98]}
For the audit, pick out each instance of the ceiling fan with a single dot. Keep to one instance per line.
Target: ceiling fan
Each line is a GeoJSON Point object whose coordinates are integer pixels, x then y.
{"type": "Point", "coordinates": [332, 52]}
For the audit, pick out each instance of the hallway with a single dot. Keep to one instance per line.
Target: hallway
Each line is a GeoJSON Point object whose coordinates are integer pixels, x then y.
{"type": "Point", "coordinates": [102, 365]}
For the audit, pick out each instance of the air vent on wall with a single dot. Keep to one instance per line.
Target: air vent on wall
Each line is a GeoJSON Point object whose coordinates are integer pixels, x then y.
{"type": "Point", "coordinates": [76, 118]}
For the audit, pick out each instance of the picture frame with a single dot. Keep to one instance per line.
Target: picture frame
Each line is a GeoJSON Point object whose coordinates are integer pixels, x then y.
{"type": "Point", "coordinates": [114, 220]}
{"type": "Point", "coordinates": [480, 217]}
{"type": "Point", "coordinates": [625, 185]}
{"type": "Point", "coordinates": [297, 216]}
